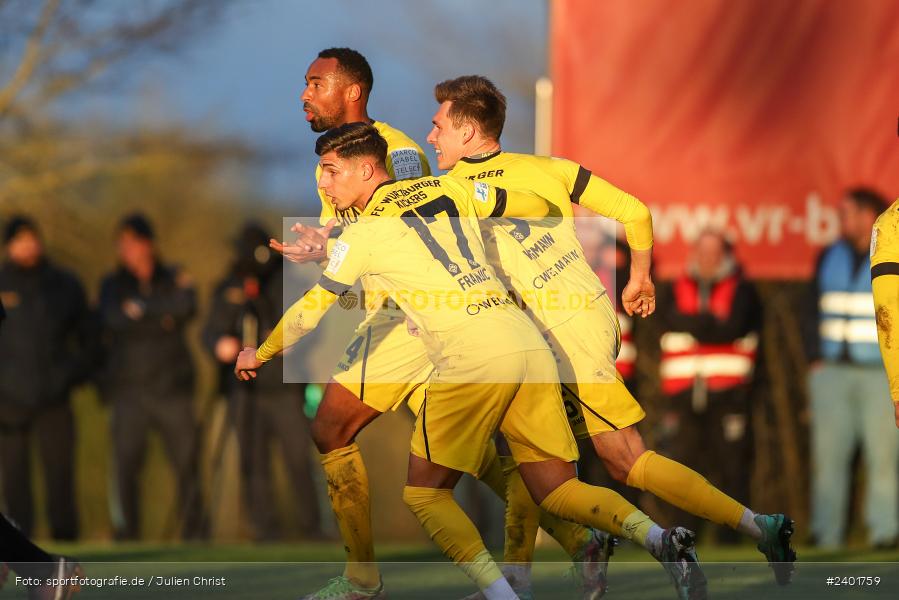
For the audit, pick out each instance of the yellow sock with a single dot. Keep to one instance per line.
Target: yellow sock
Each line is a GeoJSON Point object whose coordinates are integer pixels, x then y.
{"type": "Point", "coordinates": [684, 488]}
{"type": "Point", "coordinates": [636, 527]}
{"type": "Point", "coordinates": [522, 516]}
{"type": "Point", "coordinates": [453, 532]}
{"type": "Point", "coordinates": [571, 536]}
{"type": "Point", "coordinates": [348, 492]}
{"type": "Point", "coordinates": [597, 507]}
{"type": "Point", "coordinates": [491, 472]}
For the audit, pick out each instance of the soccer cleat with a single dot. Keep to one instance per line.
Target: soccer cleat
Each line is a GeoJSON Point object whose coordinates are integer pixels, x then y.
{"type": "Point", "coordinates": [591, 564]}
{"type": "Point", "coordinates": [65, 571]}
{"type": "Point", "coordinates": [519, 584]}
{"type": "Point", "coordinates": [341, 588]}
{"type": "Point", "coordinates": [777, 530]}
{"type": "Point", "coordinates": [678, 556]}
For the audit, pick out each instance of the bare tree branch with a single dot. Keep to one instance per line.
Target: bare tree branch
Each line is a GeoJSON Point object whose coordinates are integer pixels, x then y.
{"type": "Point", "coordinates": [74, 43]}
{"type": "Point", "coordinates": [31, 58]}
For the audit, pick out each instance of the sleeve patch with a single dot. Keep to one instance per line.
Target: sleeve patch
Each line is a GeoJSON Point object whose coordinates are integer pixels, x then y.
{"type": "Point", "coordinates": [406, 163]}
{"type": "Point", "coordinates": [481, 191]}
{"type": "Point", "coordinates": [338, 254]}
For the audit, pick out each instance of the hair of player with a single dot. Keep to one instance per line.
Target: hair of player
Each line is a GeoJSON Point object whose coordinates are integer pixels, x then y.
{"type": "Point", "coordinates": [866, 198]}
{"type": "Point", "coordinates": [353, 140]}
{"type": "Point", "coordinates": [352, 64]}
{"type": "Point", "coordinates": [475, 100]}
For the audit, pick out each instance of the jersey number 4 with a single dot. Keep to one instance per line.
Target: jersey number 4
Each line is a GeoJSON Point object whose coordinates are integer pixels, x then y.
{"type": "Point", "coordinates": [426, 214]}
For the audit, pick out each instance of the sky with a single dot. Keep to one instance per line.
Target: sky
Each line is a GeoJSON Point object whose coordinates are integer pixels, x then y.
{"type": "Point", "coordinates": [244, 76]}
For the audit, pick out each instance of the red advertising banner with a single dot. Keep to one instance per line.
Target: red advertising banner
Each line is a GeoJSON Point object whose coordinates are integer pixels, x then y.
{"type": "Point", "coordinates": [743, 115]}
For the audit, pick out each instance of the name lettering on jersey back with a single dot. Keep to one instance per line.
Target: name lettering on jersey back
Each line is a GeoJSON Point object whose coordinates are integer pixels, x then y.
{"type": "Point", "coordinates": [486, 174]}
{"type": "Point", "coordinates": [542, 244]}
{"type": "Point", "coordinates": [556, 268]}
{"type": "Point", "coordinates": [475, 277]}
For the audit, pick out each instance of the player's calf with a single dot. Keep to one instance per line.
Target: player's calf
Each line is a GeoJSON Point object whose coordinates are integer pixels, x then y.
{"type": "Point", "coordinates": [619, 451]}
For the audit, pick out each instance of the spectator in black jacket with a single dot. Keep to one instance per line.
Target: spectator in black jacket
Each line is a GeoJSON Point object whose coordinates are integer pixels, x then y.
{"type": "Point", "coordinates": [247, 305]}
{"type": "Point", "coordinates": [148, 376]}
{"type": "Point", "coordinates": [710, 318]}
{"type": "Point", "coordinates": [47, 348]}
{"type": "Point", "coordinates": [31, 561]}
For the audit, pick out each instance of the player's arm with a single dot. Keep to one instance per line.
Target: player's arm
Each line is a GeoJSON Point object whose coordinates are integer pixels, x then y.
{"type": "Point", "coordinates": [342, 271]}
{"type": "Point", "coordinates": [491, 201]}
{"type": "Point", "coordinates": [301, 318]}
{"type": "Point", "coordinates": [601, 197]}
{"type": "Point", "coordinates": [885, 285]}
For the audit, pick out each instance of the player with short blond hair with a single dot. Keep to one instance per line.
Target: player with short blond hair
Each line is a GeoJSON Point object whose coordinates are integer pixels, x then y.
{"type": "Point", "coordinates": [544, 265]}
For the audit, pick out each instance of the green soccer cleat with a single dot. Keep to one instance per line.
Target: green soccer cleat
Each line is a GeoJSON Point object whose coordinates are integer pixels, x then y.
{"type": "Point", "coordinates": [591, 564]}
{"type": "Point", "coordinates": [775, 545]}
{"type": "Point", "coordinates": [341, 588]}
{"type": "Point", "coordinates": [678, 556]}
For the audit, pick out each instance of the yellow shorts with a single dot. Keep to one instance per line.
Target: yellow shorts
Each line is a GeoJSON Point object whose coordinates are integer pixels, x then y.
{"type": "Point", "coordinates": [384, 365]}
{"type": "Point", "coordinates": [595, 398]}
{"type": "Point", "coordinates": [468, 398]}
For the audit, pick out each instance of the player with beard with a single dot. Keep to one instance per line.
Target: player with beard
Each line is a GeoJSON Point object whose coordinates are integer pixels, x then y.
{"type": "Point", "coordinates": [383, 366]}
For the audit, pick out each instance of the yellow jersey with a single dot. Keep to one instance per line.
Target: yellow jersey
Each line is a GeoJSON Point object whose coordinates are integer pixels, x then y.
{"type": "Point", "coordinates": [543, 261]}
{"type": "Point", "coordinates": [418, 242]}
{"type": "Point", "coordinates": [885, 286]}
{"type": "Point", "coordinates": [405, 160]}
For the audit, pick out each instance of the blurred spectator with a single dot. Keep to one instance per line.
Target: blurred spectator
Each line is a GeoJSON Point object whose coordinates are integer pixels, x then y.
{"type": "Point", "coordinates": [48, 347]}
{"type": "Point", "coordinates": [29, 560]}
{"type": "Point", "coordinates": [710, 318]}
{"type": "Point", "coordinates": [246, 307]}
{"type": "Point", "coordinates": [848, 387]}
{"type": "Point", "coordinates": [148, 375]}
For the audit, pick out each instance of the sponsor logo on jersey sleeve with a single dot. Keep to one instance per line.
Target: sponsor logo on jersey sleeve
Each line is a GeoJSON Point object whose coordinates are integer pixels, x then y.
{"type": "Point", "coordinates": [481, 191]}
{"type": "Point", "coordinates": [406, 163]}
{"type": "Point", "coordinates": [338, 254]}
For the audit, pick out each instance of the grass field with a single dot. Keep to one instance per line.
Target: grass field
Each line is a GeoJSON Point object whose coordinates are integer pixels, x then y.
{"type": "Point", "coordinates": [420, 573]}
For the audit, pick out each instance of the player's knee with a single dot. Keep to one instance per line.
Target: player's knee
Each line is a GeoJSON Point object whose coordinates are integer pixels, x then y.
{"type": "Point", "coordinates": [331, 434]}
{"type": "Point", "coordinates": [618, 467]}
{"type": "Point", "coordinates": [417, 498]}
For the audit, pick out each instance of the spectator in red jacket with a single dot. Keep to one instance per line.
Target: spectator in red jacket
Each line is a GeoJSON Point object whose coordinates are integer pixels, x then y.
{"type": "Point", "coordinates": [710, 319]}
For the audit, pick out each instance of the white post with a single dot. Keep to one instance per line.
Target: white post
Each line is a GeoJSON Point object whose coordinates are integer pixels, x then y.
{"type": "Point", "coordinates": [543, 117]}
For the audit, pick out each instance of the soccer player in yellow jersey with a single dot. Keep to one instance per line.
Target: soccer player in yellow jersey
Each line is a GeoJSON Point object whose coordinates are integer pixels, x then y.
{"type": "Point", "coordinates": [885, 284]}
{"type": "Point", "coordinates": [493, 370]}
{"type": "Point", "coordinates": [545, 268]}
{"type": "Point", "coordinates": [365, 383]}
{"type": "Point", "coordinates": [383, 365]}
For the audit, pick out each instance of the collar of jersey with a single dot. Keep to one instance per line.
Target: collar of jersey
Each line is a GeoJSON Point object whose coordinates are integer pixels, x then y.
{"type": "Point", "coordinates": [375, 191]}
{"type": "Point", "coordinates": [480, 159]}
